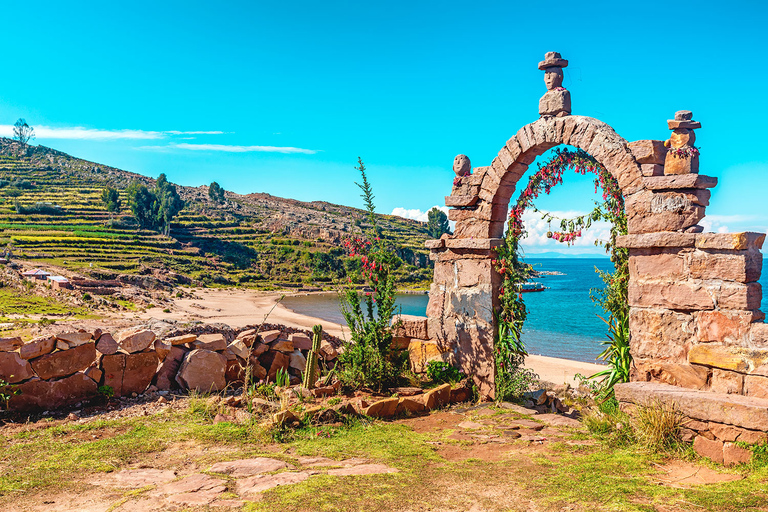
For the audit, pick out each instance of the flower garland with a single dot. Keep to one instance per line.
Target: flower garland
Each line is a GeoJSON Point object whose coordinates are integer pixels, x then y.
{"type": "Point", "coordinates": [684, 152]}
{"type": "Point", "coordinates": [515, 272]}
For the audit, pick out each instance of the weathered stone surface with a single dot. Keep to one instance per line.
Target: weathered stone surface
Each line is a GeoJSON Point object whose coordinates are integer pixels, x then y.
{"type": "Point", "coordinates": [437, 397]}
{"type": "Point", "coordinates": [166, 374]}
{"type": "Point", "coordinates": [732, 241]}
{"type": "Point", "coordinates": [362, 469]}
{"type": "Point", "coordinates": [39, 394]}
{"type": "Point", "coordinates": [650, 212]}
{"type": "Point", "coordinates": [409, 405]}
{"type": "Point", "coordinates": [106, 344]}
{"type": "Point", "coordinates": [668, 263]}
{"type": "Point", "coordinates": [734, 454]}
{"type": "Point", "coordinates": [652, 170]}
{"type": "Point", "coordinates": [74, 339]}
{"type": "Point", "coordinates": [712, 449]}
{"type": "Point", "coordinates": [555, 103]}
{"type": "Point", "coordinates": [139, 370]}
{"type": "Point", "coordinates": [434, 244]}
{"type": "Point", "coordinates": [162, 347]}
{"type": "Point", "coordinates": [660, 334]}
{"type": "Point", "coordinates": [214, 342]}
{"type": "Point", "coordinates": [385, 408]}
{"type": "Point", "coordinates": [756, 386]}
{"type": "Point", "coordinates": [245, 333]}
{"type": "Point", "coordinates": [182, 340]}
{"type": "Point", "coordinates": [38, 347]}
{"type": "Point", "coordinates": [13, 368]}
{"type": "Point", "coordinates": [239, 348]}
{"type": "Point", "coordinates": [135, 339]}
{"type": "Point", "coordinates": [269, 336]}
{"type": "Point", "coordinates": [136, 478]}
{"type": "Point", "coordinates": [679, 181]}
{"type": "Point", "coordinates": [738, 410]}
{"type": "Point", "coordinates": [648, 151]}
{"type": "Point", "coordinates": [113, 367]}
{"type": "Point", "coordinates": [741, 266]}
{"type": "Point", "coordinates": [724, 381]}
{"type": "Point", "coordinates": [758, 335]}
{"type": "Point", "coordinates": [248, 467]}
{"type": "Point", "coordinates": [300, 341]}
{"type": "Point", "coordinates": [298, 361]}
{"type": "Point", "coordinates": [723, 326]}
{"type": "Point", "coordinates": [670, 295]}
{"type": "Point", "coordinates": [718, 356]}
{"type": "Point", "coordinates": [420, 353]}
{"type": "Point", "coordinates": [60, 364]}
{"type": "Point", "coordinates": [682, 375]}
{"type": "Point", "coordinates": [10, 344]}
{"type": "Point", "coordinates": [473, 243]}
{"type": "Point", "coordinates": [95, 373]}
{"type": "Point", "coordinates": [653, 240]}
{"type": "Point", "coordinates": [251, 487]}
{"type": "Point", "coordinates": [283, 346]}
{"type": "Point", "coordinates": [203, 370]}
{"type": "Point", "coordinates": [411, 326]}
{"type": "Point", "coordinates": [685, 164]}
{"type": "Point", "coordinates": [281, 361]}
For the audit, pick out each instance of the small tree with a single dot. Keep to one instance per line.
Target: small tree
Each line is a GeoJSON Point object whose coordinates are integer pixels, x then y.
{"type": "Point", "coordinates": [143, 204]}
{"type": "Point", "coordinates": [168, 201]}
{"type": "Point", "coordinates": [216, 193]}
{"type": "Point", "coordinates": [23, 133]}
{"type": "Point", "coordinates": [437, 223]}
{"type": "Point", "coordinates": [111, 199]}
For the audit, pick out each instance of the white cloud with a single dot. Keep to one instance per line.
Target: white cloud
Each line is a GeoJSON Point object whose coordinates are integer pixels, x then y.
{"type": "Point", "coordinates": [236, 149]}
{"type": "Point", "coordinates": [415, 213]}
{"type": "Point", "coordinates": [81, 133]}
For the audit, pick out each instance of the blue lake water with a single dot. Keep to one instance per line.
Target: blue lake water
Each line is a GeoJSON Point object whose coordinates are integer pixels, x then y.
{"type": "Point", "coordinates": [562, 320]}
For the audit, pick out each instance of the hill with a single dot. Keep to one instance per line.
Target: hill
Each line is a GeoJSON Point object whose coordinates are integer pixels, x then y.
{"type": "Point", "coordinates": [51, 212]}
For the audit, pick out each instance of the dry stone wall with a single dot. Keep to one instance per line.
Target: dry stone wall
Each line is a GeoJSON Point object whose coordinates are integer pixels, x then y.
{"type": "Point", "coordinates": [60, 370]}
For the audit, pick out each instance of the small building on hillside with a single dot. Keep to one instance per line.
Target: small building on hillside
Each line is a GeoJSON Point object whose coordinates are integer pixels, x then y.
{"type": "Point", "coordinates": [60, 282]}
{"type": "Point", "coordinates": [36, 274]}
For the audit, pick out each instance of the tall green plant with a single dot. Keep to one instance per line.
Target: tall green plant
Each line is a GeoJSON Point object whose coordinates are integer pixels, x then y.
{"type": "Point", "coordinates": [310, 371]}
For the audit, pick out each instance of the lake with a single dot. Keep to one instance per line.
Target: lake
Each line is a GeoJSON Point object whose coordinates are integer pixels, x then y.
{"type": "Point", "coordinates": [562, 320]}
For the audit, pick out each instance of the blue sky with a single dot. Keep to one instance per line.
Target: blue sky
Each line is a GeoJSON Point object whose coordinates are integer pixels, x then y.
{"type": "Point", "coordinates": [291, 93]}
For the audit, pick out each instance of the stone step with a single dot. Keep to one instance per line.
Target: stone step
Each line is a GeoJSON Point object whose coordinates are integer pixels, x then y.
{"type": "Point", "coordinates": [737, 410]}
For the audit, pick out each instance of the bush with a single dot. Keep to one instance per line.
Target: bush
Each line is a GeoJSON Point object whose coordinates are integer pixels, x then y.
{"type": "Point", "coordinates": [440, 372]}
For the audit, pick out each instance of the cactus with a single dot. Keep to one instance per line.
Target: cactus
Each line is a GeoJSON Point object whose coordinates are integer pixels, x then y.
{"type": "Point", "coordinates": [310, 372]}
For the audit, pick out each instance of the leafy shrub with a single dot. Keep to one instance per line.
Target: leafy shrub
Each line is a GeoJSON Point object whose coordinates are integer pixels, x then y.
{"type": "Point", "coordinates": [438, 371]}
{"type": "Point", "coordinates": [106, 391]}
{"type": "Point", "coordinates": [22, 184]}
{"type": "Point", "coordinates": [4, 183]}
{"type": "Point", "coordinates": [87, 296]}
{"type": "Point", "coordinates": [39, 209]}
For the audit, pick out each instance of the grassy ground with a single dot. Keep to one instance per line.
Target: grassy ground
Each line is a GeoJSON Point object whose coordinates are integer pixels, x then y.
{"type": "Point", "coordinates": [16, 303]}
{"type": "Point", "coordinates": [437, 469]}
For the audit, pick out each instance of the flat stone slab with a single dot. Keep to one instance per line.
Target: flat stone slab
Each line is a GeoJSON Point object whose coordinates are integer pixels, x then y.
{"type": "Point", "coordinates": [679, 181]}
{"type": "Point", "coordinates": [136, 478]}
{"type": "Point", "coordinates": [470, 425]}
{"type": "Point", "coordinates": [738, 410]}
{"type": "Point", "coordinates": [192, 484]}
{"type": "Point", "coordinates": [257, 484]}
{"type": "Point", "coordinates": [556, 420]}
{"type": "Point", "coordinates": [321, 462]}
{"type": "Point", "coordinates": [518, 408]}
{"type": "Point", "coordinates": [363, 469]}
{"type": "Point", "coordinates": [524, 424]}
{"type": "Point", "coordinates": [248, 467]}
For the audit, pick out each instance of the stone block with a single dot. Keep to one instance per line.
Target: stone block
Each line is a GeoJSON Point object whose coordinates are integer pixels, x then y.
{"type": "Point", "coordinates": [711, 449]}
{"type": "Point", "coordinates": [411, 326]}
{"type": "Point", "coordinates": [734, 454]}
{"type": "Point", "coordinates": [730, 241]}
{"type": "Point", "coordinates": [657, 263]}
{"type": "Point", "coordinates": [74, 339]}
{"type": "Point", "coordinates": [651, 212]}
{"type": "Point", "coordinates": [437, 397]}
{"type": "Point", "coordinates": [300, 341]}
{"type": "Point", "coordinates": [113, 367]}
{"type": "Point", "coordinates": [400, 342]}
{"type": "Point", "coordinates": [38, 347]}
{"type": "Point", "coordinates": [410, 405]}
{"type": "Point", "coordinates": [385, 408]}
{"type": "Point", "coordinates": [37, 394]}
{"type": "Point", "coordinates": [95, 373]}
{"type": "Point", "coordinates": [135, 339]}
{"type": "Point", "coordinates": [282, 345]}
{"type": "Point", "coordinates": [162, 348]}
{"type": "Point", "coordinates": [737, 295]}
{"type": "Point", "coordinates": [740, 411]}
{"type": "Point", "coordinates": [758, 335]}
{"type": "Point", "coordinates": [61, 364]}
{"type": "Point", "coordinates": [685, 295]}
{"type": "Point", "coordinates": [682, 375]}
{"type": "Point", "coordinates": [434, 244]}
{"type": "Point", "coordinates": [239, 349]}
{"type": "Point", "coordinates": [648, 151]}
{"type": "Point", "coordinates": [756, 385]}
{"type": "Point", "coordinates": [166, 373]}
{"type": "Point", "coordinates": [652, 170]}
{"type": "Point", "coordinates": [279, 362]}
{"type": "Point", "coordinates": [269, 336]}
{"type": "Point", "coordinates": [182, 340]}
{"type": "Point", "coordinates": [655, 240]}
{"type": "Point", "coordinates": [14, 369]}
{"type": "Point", "coordinates": [660, 334]}
{"type": "Point", "coordinates": [214, 342]}
{"type": "Point", "coordinates": [724, 381]}
{"type": "Point", "coordinates": [10, 344]}
{"type": "Point", "coordinates": [741, 266]}
{"type": "Point", "coordinates": [726, 327]}
{"type": "Point", "coordinates": [139, 370]}
{"type": "Point", "coordinates": [674, 164]}
{"type": "Point", "coordinates": [679, 181]}
{"type": "Point", "coordinates": [718, 356]}
{"type": "Point", "coordinates": [555, 103]}
{"type": "Point", "coordinates": [297, 361]}
{"type": "Point", "coordinates": [421, 352]}
{"type": "Point", "coordinates": [203, 370]}
{"type": "Point", "coordinates": [725, 433]}
{"type": "Point", "coordinates": [106, 344]}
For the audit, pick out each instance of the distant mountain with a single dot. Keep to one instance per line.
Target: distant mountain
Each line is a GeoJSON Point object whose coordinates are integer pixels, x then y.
{"type": "Point", "coordinates": [51, 210]}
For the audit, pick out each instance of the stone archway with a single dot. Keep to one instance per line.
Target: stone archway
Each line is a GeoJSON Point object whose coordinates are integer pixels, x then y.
{"type": "Point", "coordinates": [690, 293]}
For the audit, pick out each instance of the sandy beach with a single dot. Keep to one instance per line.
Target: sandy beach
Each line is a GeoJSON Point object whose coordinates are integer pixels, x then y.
{"type": "Point", "coordinates": [239, 308]}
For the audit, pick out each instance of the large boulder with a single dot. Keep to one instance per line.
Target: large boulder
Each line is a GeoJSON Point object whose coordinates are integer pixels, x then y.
{"type": "Point", "coordinates": [213, 342]}
{"type": "Point", "coordinates": [139, 370]}
{"type": "Point", "coordinates": [166, 374]}
{"type": "Point", "coordinates": [37, 394]}
{"type": "Point", "coordinates": [106, 344]}
{"type": "Point", "coordinates": [38, 347]}
{"type": "Point", "coordinates": [135, 339]}
{"type": "Point", "coordinates": [66, 362]}
{"type": "Point", "coordinates": [13, 368]}
{"type": "Point", "coordinates": [113, 368]}
{"type": "Point", "coordinates": [203, 370]}
{"type": "Point", "coordinates": [10, 344]}
{"type": "Point", "coordinates": [74, 339]}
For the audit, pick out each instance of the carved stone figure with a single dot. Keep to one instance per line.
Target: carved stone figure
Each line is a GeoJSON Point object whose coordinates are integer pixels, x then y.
{"type": "Point", "coordinates": [557, 100]}
{"type": "Point", "coordinates": [683, 156]}
{"type": "Point", "coordinates": [461, 165]}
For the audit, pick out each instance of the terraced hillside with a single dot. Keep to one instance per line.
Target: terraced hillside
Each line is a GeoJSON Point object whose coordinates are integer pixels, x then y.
{"type": "Point", "coordinates": [51, 211]}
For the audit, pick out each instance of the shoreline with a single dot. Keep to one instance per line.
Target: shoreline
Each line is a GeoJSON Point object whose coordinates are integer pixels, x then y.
{"type": "Point", "coordinates": [239, 308]}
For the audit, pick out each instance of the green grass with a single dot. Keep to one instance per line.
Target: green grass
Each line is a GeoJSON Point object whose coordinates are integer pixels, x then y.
{"type": "Point", "coordinates": [13, 302]}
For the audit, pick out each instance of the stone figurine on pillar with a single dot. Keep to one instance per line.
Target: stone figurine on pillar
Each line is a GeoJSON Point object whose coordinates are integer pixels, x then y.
{"type": "Point", "coordinates": [557, 101]}
{"type": "Point", "coordinates": [683, 156]}
{"type": "Point", "coordinates": [463, 168]}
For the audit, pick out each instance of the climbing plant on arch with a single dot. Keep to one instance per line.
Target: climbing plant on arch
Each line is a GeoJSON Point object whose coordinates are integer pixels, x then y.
{"type": "Point", "coordinates": [514, 272]}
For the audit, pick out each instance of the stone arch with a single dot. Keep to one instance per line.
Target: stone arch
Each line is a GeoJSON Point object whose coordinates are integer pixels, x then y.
{"type": "Point", "coordinates": [686, 288]}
